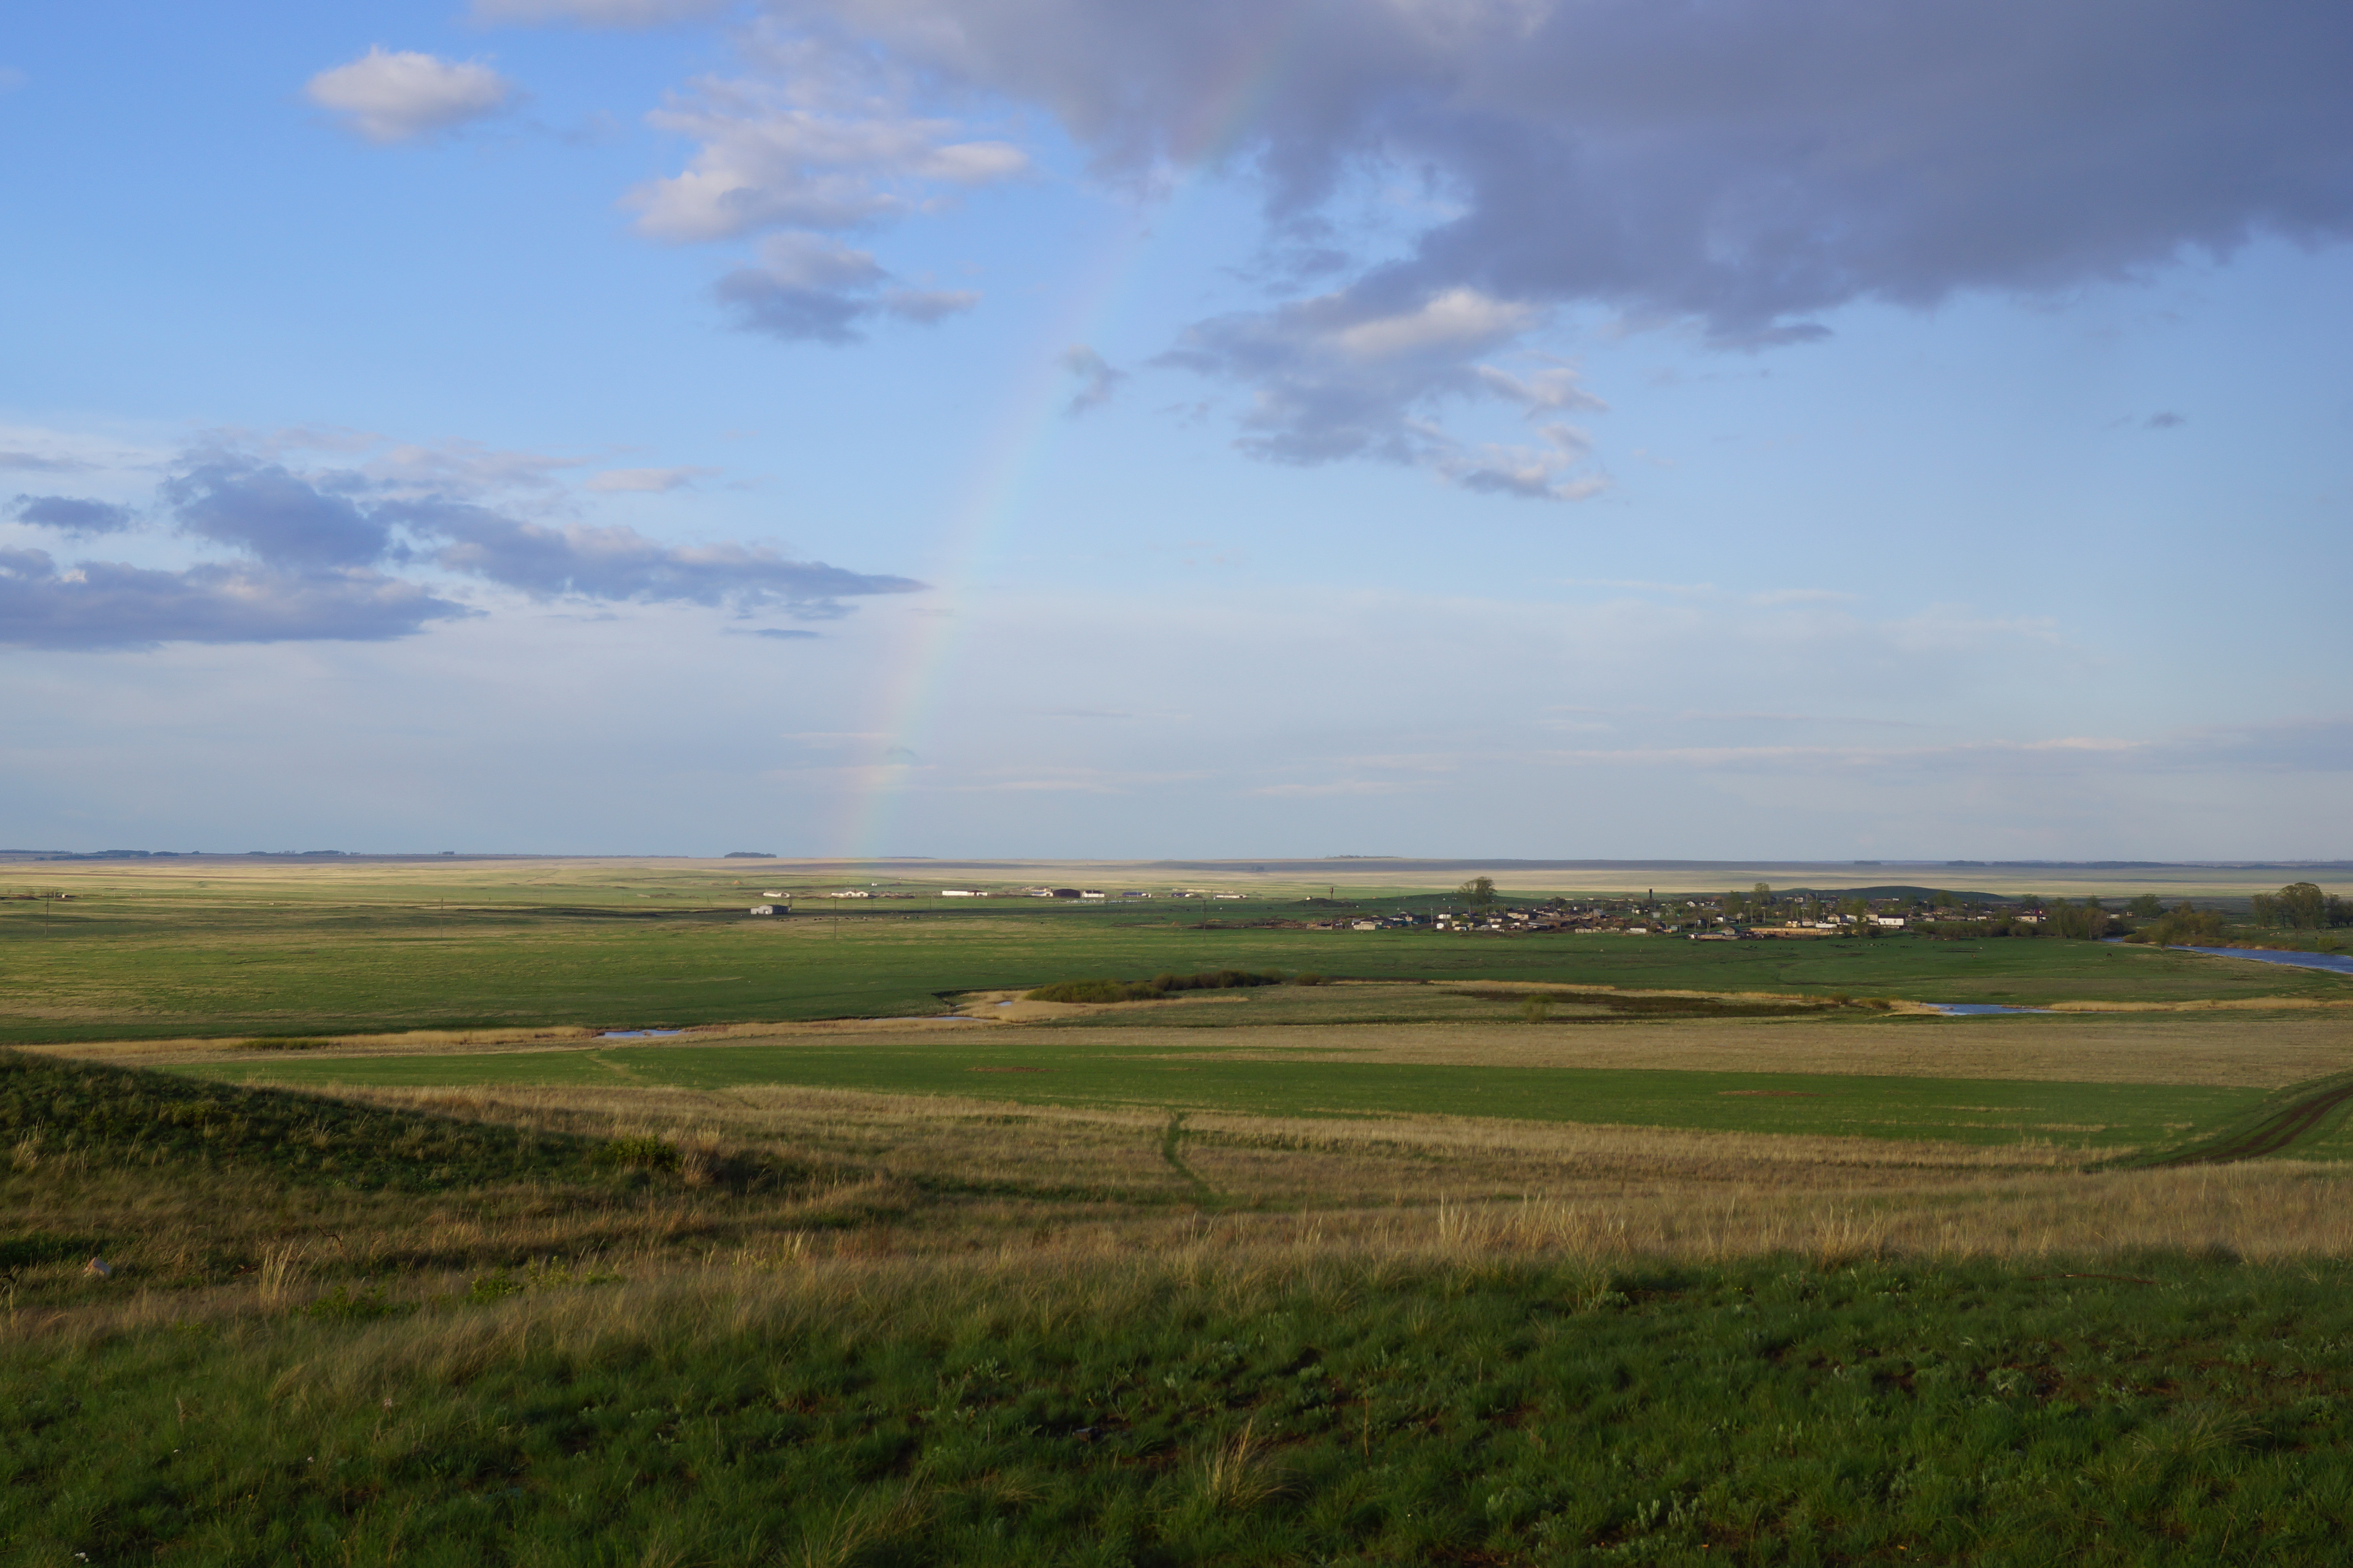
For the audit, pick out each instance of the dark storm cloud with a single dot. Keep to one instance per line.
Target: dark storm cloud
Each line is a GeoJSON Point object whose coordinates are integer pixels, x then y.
{"type": "Point", "coordinates": [78, 519]}
{"type": "Point", "coordinates": [1744, 162]}
{"type": "Point", "coordinates": [108, 605]}
{"type": "Point", "coordinates": [1748, 167]}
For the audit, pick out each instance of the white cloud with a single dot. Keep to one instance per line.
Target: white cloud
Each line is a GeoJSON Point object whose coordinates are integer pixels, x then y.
{"type": "Point", "coordinates": [463, 468]}
{"type": "Point", "coordinates": [1545, 389]}
{"type": "Point", "coordinates": [648, 481]}
{"type": "Point", "coordinates": [1347, 375]}
{"type": "Point", "coordinates": [1099, 379]}
{"type": "Point", "coordinates": [1438, 328]}
{"type": "Point", "coordinates": [810, 151]}
{"type": "Point", "coordinates": [390, 96]}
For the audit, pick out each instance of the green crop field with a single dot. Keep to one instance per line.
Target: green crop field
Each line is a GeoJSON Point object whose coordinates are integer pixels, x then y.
{"type": "Point", "coordinates": [362, 949]}
{"type": "Point", "coordinates": [1972, 1111]}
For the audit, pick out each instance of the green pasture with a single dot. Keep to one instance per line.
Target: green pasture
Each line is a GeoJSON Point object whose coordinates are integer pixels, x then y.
{"type": "Point", "coordinates": [1971, 1110]}
{"type": "Point", "coordinates": [2158, 1410]}
{"type": "Point", "coordinates": [349, 956]}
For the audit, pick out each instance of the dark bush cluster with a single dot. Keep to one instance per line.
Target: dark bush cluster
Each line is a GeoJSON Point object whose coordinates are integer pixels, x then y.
{"type": "Point", "coordinates": [1160, 986]}
{"type": "Point", "coordinates": [97, 1117]}
{"type": "Point", "coordinates": [2184, 927]}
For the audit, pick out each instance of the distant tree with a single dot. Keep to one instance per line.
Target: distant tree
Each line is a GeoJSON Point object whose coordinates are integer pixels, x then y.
{"type": "Point", "coordinates": [2147, 907]}
{"type": "Point", "coordinates": [2303, 906]}
{"type": "Point", "coordinates": [1479, 892]}
{"type": "Point", "coordinates": [2077, 922]}
{"type": "Point", "coordinates": [2186, 926]}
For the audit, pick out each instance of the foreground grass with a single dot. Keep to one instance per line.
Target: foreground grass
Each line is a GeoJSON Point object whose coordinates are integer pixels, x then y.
{"type": "Point", "coordinates": [869, 1328]}
{"type": "Point", "coordinates": [1221, 1408]}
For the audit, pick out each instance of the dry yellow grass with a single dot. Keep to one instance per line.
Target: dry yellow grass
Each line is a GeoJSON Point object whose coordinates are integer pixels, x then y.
{"type": "Point", "coordinates": [1418, 1183]}
{"type": "Point", "coordinates": [1078, 1266]}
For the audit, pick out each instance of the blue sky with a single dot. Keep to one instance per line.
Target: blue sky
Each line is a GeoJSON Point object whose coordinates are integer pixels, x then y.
{"type": "Point", "coordinates": [1083, 427]}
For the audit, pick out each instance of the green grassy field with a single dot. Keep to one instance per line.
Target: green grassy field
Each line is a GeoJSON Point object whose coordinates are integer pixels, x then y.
{"type": "Point", "coordinates": [1194, 1297]}
{"type": "Point", "coordinates": [2163, 1411]}
{"type": "Point", "coordinates": [1973, 1110]}
{"type": "Point", "coordinates": [346, 953]}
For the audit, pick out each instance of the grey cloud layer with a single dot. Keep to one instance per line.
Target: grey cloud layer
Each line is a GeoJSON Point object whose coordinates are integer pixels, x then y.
{"type": "Point", "coordinates": [1748, 166]}
{"type": "Point", "coordinates": [71, 516]}
{"type": "Point", "coordinates": [811, 288]}
{"type": "Point", "coordinates": [318, 545]}
{"type": "Point", "coordinates": [285, 520]}
{"type": "Point", "coordinates": [108, 605]}
{"type": "Point", "coordinates": [1745, 162]}
{"type": "Point", "coordinates": [620, 564]}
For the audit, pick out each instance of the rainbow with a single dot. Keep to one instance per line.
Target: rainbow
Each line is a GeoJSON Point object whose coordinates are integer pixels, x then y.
{"type": "Point", "coordinates": [1028, 430]}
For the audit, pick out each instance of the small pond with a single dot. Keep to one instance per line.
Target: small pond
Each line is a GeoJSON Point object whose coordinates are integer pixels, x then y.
{"type": "Point", "coordinates": [1976, 1009]}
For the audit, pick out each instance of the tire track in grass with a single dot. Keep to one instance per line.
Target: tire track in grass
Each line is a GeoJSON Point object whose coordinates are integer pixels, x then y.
{"type": "Point", "coordinates": [1171, 1137]}
{"type": "Point", "coordinates": [2274, 1131]}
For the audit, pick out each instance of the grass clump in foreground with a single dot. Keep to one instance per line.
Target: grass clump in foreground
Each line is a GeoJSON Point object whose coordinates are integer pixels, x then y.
{"type": "Point", "coordinates": [1162, 984]}
{"type": "Point", "coordinates": [1234, 1406]}
{"type": "Point", "coordinates": [84, 1117]}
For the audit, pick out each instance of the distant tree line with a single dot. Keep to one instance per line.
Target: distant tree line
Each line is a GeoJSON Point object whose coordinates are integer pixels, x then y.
{"type": "Point", "coordinates": [2302, 906]}
{"type": "Point", "coordinates": [1163, 985]}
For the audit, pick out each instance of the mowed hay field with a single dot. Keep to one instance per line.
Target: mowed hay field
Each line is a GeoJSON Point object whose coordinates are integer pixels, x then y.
{"type": "Point", "coordinates": [1399, 1271]}
{"type": "Point", "coordinates": [2084, 1116]}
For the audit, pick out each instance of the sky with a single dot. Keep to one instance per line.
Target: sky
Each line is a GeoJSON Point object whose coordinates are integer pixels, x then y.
{"type": "Point", "coordinates": [1548, 429]}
